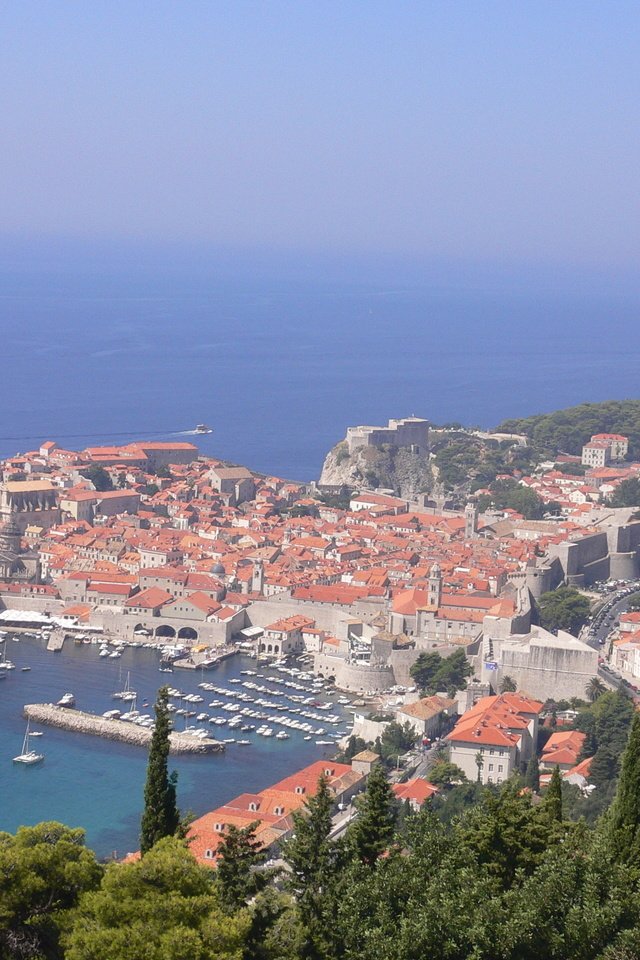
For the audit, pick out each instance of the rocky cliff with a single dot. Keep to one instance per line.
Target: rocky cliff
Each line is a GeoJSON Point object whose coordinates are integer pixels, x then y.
{"type": "Point", "coordinates": [397, 469]}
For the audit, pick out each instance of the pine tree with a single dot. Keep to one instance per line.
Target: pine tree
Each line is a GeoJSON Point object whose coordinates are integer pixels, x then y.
{"type": "Point", "coordinates": [553, 796]}
{"type": "Point", "coordinates": [624, 823]}
{"type": "Point", "coordinates": [372, 831]}
{"type": "Point", "coordinates": [312, 859]}
{"type": "Point", "coordinates": [160, 817]}
{"type": "Point", "coordinates": [532, 775]}
{"type": "Point", "coordinates": [239, 854]}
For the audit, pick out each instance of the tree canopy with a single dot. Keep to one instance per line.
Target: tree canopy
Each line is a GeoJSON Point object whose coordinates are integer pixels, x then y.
{"type": "Point", "coordinates": [569, 429]}
{"type": "Point", "coordinates": [160, 817]}
{"type": "Point", "coordinates": [432, 672]}
{"type": "Point", "coordinates": [564, 609]}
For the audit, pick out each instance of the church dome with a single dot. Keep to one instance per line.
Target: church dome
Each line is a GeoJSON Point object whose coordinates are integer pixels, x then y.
{"type": "Point", "coordinates": [218, 570]}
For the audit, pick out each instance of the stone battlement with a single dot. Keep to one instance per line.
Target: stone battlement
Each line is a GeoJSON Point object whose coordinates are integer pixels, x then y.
{"type": "Point", "coordinates": [407, 432]}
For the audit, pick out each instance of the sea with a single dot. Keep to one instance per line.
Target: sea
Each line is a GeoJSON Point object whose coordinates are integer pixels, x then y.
{"type": "Point", "coordinates": [98, 784]}
{"type": "Point", "coordinates": [103, 345]}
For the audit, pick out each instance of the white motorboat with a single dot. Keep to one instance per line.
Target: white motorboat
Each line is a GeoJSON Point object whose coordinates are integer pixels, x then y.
{"type": "Point", "coordinates": [28, 756]}
{"type": "Point", "coordinates": [67, 700]}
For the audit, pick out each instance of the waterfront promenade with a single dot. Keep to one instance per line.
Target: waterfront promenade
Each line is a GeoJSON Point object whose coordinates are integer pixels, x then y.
{"type": "Point", "coordinates": [79, 722]}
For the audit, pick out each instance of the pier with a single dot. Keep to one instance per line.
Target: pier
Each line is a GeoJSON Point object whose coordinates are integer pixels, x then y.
{"type": "Point", "coordinates": [78, 722]}
{"type": "Point", "coordinates": [55, 642]}
{"type": "Point", "coordinates": [204, 661]}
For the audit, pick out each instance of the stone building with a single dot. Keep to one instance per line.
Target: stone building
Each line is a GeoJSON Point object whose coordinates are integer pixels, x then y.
{"type": "Point", "coordinates": [30, 503]}
{"type": "Point", "coordinates": [412, 432]}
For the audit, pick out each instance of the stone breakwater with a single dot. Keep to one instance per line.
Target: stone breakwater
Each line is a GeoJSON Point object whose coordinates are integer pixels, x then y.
{"type": "Point", "coordinates": [78, 722]}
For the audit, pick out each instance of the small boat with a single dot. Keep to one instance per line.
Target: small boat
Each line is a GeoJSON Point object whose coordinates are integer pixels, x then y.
{"type": "Point", "coordinates": [104, 652]}
{"type": "Point", "coordinates": [28, 756]}
{"type": "Point", "coordinates": [36, 733]}
{"type": "Point", "coordinates": [25, 669]}
{"type": "Point", "coordinates": [325, 743]}
{"type": "Point", "coordinates": [165, 669]}
{"type": "Point", "coordinates": [282, 735]}
{"type": "Point", "coordinates": [203, 428]}
{"type": "Point", "coordinates": [243, 743]}
{"type": "Point", "coordinates": [68, 700]}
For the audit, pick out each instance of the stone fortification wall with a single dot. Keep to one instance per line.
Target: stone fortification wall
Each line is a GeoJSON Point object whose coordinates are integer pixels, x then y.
{"type": "Point", "coordinates": [38, 604]}
{"type": "Point", "coordinates": [354, 677]}
{"type": "Point", "coordinates": [543, 670]}
{"type": "Point", "coordinates": [612, 552]}
{"type": "Point", "coordinates": [329, 618]}
{"type": "Point", "coordinates": [399, 433]}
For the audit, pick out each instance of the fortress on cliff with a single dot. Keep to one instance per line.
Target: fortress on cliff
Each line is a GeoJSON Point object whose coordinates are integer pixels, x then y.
{"type": "Point", "coordinates": [412, 432]}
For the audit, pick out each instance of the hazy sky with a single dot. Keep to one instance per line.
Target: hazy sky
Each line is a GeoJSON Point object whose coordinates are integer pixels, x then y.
{"type": "Point", "coordinates": [492, 130]}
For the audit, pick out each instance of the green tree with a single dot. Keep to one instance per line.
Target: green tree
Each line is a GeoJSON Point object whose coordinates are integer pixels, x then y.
{"type": "Point", "coordinates": [397, 739]}
{"type": "Point", "coordinates": [160, 817]}
{"type": "Point", "coordinates": [553, 796]}
{"type": "Point", "coordinates": [312, 859]}
{"type": "Point", "coordinates": [372, 832]}
{"type": "Point", "coordinates": [626, 494]}
{"type": "Point", "coordinates": [432, 672]}
{"type": "Point", "coordinates": [508, 685]}
{"type": "Point", "coordinates": [443, 772]}
{"type": "Point", "coordinates": [425, 668]}
{"type": "Point", "coordinates": [163, 907]}
{"type": "Point", "coordinates": [99, 477]}
{"type": "Point", "coordinates": [563, 609]}
{"type": "Point", "coordinates": [624, 824]}
{"type": "Point", "coordinates": [239, 854]}
{"type": "Point", "coordinates": [43, 871]}
{"type": "Point", "coordinates": [594, 689]}
{"type": "Point", "coordinates": [532, 775]}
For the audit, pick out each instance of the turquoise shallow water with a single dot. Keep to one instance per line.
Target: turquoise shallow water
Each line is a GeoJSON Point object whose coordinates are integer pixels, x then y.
{"type": "Point", "coordinates": [97, 784]}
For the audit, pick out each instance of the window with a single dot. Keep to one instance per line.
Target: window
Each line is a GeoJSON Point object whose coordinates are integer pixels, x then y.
{"type": "Point", "coordinates": [253, 805]}
{"type": "Point", "coordinates": [209, 854]}
{"type": "Point", "coordinates": [278, 811]}
{"type": "Point", "coordinates": [328, 773]}
{"type": "Point", "coordinates": [219, 827]}
{"type": "Point", "coordinates": [500, 768]}
{"type": "Point", "coordinates": [489, 779]}
{"type": "Point", "coordinates": [490, 766]}
{"type": "Point", "coordinates": [492, 751]}
{"type": "Point", "coordinates": [299, 789]}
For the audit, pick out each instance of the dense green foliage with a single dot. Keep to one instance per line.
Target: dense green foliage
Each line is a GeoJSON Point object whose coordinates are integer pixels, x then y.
{"type": "Point", "coordinates": [160, 817]}
{"type": "Point", "coordinates": [626, 494]}
{"type": "Point", "coordinates": [163, 907]}
{"type": "Point", "coordinates": [239, 854]}
{"type": "Point", "coordinates": [396, 740]}
{"type": "Point", "coordinates": [568, 430]}
{"type": "Point", "coordinates": [564, 609]}
{"type": "Point", "coordinates": [466, 460]}
{"type": "Point", "coordinates": [432, 672]}
{"type": "Point", "coordinates": [510, 495]}
{"type": "Point", "coordinates": [372, 832]}
{"type": "Point", "coordinates": [99, 477]}
{"type": "Point", "coordinates": [43, 872]}
{"type": "Point", "coordinates": [443, 772]}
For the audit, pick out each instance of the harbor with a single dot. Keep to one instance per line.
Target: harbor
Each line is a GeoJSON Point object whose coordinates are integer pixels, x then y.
{"type": "Point", "coordinates": [78, 721]}
{"type": "Point", "coordinates": [96, 783]}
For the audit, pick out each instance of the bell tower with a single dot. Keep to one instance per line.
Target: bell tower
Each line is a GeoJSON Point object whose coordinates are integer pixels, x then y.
{"type": "Point", "coordinates": [435, 586]}
{"type": "Point", "coordinates": [470, 521]}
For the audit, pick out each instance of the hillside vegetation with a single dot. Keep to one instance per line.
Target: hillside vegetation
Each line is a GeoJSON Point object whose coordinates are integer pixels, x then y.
{"type": "Point", "coordinates": [567, 430]}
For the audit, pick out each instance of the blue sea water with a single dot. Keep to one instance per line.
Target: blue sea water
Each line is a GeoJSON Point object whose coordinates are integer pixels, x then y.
{"type": "Point", "coordinates": [279, 367]}
{"type": "Point", "coordinates": [98, 784]}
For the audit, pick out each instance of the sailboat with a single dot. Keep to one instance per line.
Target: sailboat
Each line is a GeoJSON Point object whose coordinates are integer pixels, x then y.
{"type": "Point", "coordinates": [28, 756]}
{"type": "Point", "coordinates": [127, 693]}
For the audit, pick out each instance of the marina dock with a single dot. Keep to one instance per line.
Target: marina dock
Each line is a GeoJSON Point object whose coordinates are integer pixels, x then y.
{"type": "Point", "coordinates": [78, 722]}
{"type": "Point", "coordinates": [55, 642]}
{"type": "Point", "coordinates": [204, 661]}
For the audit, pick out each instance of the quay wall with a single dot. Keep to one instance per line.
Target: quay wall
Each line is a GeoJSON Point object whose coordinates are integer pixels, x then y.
{"type": "Point", "coordinates": [77, 721]}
